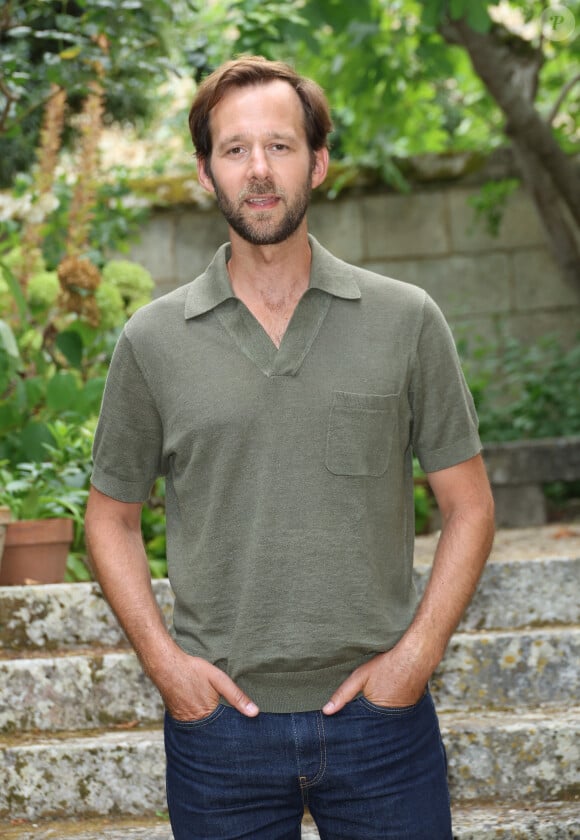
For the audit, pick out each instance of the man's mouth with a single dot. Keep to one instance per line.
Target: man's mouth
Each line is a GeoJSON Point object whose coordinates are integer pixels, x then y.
{"type": "Point", "coordinates": [263, 201]}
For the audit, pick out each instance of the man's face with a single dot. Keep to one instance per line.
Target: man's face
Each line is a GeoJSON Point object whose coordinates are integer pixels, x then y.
{"type": "Point", "coordinates": [262, 170]}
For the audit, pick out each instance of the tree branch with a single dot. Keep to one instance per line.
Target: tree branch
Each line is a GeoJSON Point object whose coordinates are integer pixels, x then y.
{"type": "Point", "coordinates": [10, 98]}
{"type": "Point", "coordinates": [563, 94]}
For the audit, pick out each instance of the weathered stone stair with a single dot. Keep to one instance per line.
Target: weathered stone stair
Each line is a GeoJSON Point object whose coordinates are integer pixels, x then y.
{"type": "Point", "coordinates": [81, 744]}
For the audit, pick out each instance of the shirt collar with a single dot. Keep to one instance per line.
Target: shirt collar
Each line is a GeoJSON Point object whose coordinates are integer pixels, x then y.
{"type": "Point", "coordinates": [213, 286]}
{"type": "Point", "coordinates": [330, 274]}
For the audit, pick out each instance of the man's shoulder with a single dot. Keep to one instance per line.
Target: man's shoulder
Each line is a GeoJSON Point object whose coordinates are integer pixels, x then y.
{"type": "Point", "coordinates": [389, 288]}
{"type": "Point", "coordinates": [163, 313]}
{"type": "Point", "coordinates": [372, 284]}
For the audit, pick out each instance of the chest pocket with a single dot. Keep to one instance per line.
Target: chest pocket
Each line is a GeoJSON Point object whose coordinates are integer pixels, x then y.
{"type": "Point", "coordinates": [360, 434]}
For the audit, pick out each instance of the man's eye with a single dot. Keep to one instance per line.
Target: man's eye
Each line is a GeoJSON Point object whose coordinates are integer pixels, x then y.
{"type": "Point", "coordinates": [235, 150]}
{"type": "Point", "coordinates": [279, 147]}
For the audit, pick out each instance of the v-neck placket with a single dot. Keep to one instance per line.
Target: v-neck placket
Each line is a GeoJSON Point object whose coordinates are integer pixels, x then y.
{"type": "Point", "coordinates": [257, 345]}
{"type": "Point", "coordinates": [212, 292]}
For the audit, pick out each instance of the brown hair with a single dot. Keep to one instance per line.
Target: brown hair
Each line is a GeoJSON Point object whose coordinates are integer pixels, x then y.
{"type": "Point", "coordinates": [255, 70]}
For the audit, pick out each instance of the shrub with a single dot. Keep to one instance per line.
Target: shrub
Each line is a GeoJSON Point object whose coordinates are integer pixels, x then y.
{"type": "Point", "coordinates": [525, 391]}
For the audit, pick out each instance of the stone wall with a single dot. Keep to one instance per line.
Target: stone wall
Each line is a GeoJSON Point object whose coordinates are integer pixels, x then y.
{"type": "Point", "coordinates": [428, 238]}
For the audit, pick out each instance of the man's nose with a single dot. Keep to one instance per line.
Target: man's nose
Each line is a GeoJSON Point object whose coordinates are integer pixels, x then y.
{"type": "Point", "coordinates": [259, 163]}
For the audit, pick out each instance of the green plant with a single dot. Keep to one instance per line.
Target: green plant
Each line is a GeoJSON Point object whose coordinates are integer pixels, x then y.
{"type": "Point", "coordinates": [57, 333]}
{"type": "Point", "coordinates": [56, 487]}
{"type": "Point", "coordinates": [153, 529]}
{"type": "Point", "coordinates": [423, 499]}
{"type": "Point", "coordinates": [36, 490]}
{"type": "Point", "coordinates": [490, 203]}
{"type": "Point", "coordinates": [524, 390]}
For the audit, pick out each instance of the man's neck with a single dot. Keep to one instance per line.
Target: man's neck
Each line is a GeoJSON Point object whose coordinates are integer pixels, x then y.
{"type": "Point", "coordinates": [272, 276]}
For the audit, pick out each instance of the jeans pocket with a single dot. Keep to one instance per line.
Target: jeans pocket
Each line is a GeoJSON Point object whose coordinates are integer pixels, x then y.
{"type": "Point", "coordinates": [360, 433]}
{"type": "Point", "coordinates": [187, 725]}
{"type": "Point", "coordinates": [392, 711]}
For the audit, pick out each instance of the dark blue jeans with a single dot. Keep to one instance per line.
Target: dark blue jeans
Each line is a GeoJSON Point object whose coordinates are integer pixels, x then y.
{"type": "Point", "coordinates": [365, 773]}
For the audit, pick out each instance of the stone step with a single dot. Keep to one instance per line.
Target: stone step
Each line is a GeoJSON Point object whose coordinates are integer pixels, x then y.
{"type": "Point", "coordinates": [522, 757]}
{"type": "Point", "coordinates": [512, 594]}
{"type": "Point", "coordinates": [549, 821]}
{"type": "Point", "coordinates": [500, 670]}
{"type": "Point", "coordinates": [509, 670]}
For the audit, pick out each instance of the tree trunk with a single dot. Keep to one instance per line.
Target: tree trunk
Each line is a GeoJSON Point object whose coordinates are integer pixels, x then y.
{"type": "Point", "coordinates": [508, 68]}
{"type": "Point", "coordinates": [563, 245]}
{"type": "Point", "coordinates": [496, 65]}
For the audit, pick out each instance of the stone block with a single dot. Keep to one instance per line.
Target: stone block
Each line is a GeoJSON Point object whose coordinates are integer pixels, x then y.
{"type": "Point", "coordinates": [538, 283]}
{"type": "Point", "coordinates": [112, 773]}
{"type": "Point", "coordinates": [537, 821]}
{"type": "Point", "coordinates": [69, 693]}
{"type": "Point", "coordinates": [530, 579]}
{"type": "Point", "coordinates": [520, 226]}
{"type": "Point", "coordinates": [522, 462]}
{"type": "Point", "coordinates": [519, 505]}
{"type": "Point", "coordinates": [564, 324]}
{"type": "Point", "coordinates": [64, 616]}
{"type": "Point", "coordinates": [513, 670]}
{"type": "Point", "coordinates": [198, 235]}
{"type": "Point", "coordinates": [518, 756]}
{"type": "Point", "coordinates": [338, 226]}
{"type": "Point", "coordinates": [461, 285]}
{"type": "Point", "coordinates": [405, 225]}
{"type": "Point", "coordinates": [155, 249]}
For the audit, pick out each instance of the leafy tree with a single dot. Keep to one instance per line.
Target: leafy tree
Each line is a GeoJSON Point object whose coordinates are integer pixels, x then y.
{"type": "Point", "coordinates": [46, 45]}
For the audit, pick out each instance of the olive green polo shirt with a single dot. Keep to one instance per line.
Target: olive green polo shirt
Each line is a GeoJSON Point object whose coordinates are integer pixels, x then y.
{"type": "Point", "coordinates": [289, 486]}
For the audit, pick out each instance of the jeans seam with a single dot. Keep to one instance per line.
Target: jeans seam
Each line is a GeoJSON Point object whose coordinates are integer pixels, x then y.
{"type": "Point", "coordinates": [322, 743]}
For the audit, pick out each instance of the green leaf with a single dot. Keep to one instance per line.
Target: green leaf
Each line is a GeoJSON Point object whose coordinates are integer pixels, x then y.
{"type": "Point", "coordinates": [432, 13]}
{"type": "Point", "coordinates": [33, 389]}
{"type": "Point", "coordinates": [7, 340]}
{"type": "Point", "coordinates": [32, 439]}
{"type": "Point", "coordinates": [62, 392]}
{"type": "Point", "coordinates": [70, 345]}
{"type": "Point", "coordinates": [71, 53]}
{"type": "Point", "coordinates": [457, 9]}
{"type": "Point", "coordinates": [15, 290]}
{"type": "Point", "coordinates": [478, 17]}
{"type": "Point", "coordinates": [92, 395]}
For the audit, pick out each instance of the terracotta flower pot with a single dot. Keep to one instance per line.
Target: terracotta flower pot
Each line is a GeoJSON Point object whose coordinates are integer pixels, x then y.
{"type": "Point", "coordinates": [36, 551]}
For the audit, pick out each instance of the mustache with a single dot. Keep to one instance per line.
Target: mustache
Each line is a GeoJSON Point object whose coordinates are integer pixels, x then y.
{"type": "Point", "coordinates": [265, 187]}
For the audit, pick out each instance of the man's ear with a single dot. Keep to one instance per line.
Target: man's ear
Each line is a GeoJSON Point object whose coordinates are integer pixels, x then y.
{"type": "Point", "coordinates": [320, 167]}
{"type": "Point", "coordinates": [203, 174]}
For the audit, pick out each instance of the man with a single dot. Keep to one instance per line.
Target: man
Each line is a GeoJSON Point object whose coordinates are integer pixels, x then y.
{"type": "Point", "coordinates": [282, 394]}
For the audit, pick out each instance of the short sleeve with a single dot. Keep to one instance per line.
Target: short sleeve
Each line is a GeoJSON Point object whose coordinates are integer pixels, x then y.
{"type": "Point", "coordinates": [444, 420]}
{"type": "Point", "coordinates": [127, 450]}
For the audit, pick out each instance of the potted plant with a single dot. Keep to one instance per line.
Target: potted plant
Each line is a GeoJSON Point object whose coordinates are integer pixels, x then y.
{"type": "Point", "coordinates": [47, 501]}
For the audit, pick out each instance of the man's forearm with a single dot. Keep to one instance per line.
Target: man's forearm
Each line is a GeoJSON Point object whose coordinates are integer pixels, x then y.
{"type": "Point", "coordinates": [119, 562]}
{"type": "Point", "coordinates": [462, 551]}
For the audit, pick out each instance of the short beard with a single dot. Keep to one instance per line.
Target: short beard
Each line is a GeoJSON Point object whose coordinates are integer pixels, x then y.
{"type": "Point", "coordinates": [265, 234]}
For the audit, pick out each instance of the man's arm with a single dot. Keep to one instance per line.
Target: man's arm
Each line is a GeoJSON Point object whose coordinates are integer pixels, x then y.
{"type": "Point", "coordinates": [190, 686]}
{"type": "Point", "coordinates": [399, 676]}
